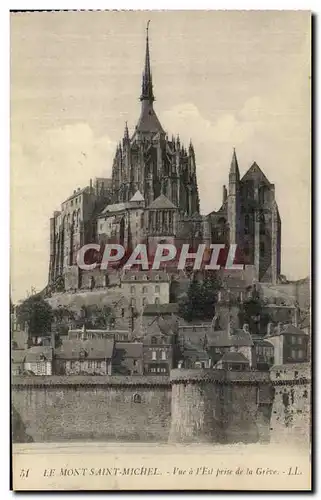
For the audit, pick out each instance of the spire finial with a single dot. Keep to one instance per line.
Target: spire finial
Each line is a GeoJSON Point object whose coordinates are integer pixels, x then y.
{"type": "Point", "coordinates": [147, 85]}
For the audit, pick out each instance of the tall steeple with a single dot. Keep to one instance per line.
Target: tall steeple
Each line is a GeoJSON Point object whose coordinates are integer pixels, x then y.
{"type": "Point", "coordinates": [148, 123]}
{"type": "Point", "coordinates": [147, 84]}
{"type": "Point", "coordinates": [234, 169]}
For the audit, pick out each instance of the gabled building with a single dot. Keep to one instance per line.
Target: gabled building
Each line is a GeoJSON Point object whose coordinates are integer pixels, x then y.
{"type": "Point", "coordinates": [79, 357]}
{"type": "Point", "coordinates": [291, 344]}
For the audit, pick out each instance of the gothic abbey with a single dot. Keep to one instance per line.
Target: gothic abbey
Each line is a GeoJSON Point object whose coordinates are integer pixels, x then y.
{"type": "Point", "coordinates": [153, 197]}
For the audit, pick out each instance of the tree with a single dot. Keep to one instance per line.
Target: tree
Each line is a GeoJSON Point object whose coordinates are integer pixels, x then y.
{"type": "Point", "coordinates": [190, 304]}
{"type": "Point", "coordinates": [199, 302]}
{"type": "Point", "coordinates": [209, 291]}
{"type": "Point", "coordinates": [37, 314]}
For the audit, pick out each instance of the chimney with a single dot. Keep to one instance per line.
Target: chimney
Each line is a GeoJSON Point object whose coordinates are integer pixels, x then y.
{"type": "Point", "coordinates": [53, 339]}
{"type": "Point", "coordinates": [224, 194]}
{"type": "Point", "coordinates": [296, 317]}
{"type": "Point", "coordinates": [269, 329]}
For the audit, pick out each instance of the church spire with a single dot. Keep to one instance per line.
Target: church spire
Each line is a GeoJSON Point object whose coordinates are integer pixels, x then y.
{"type": "Point", "coordinates": [147, 84]}
{"type": "Point", "coordinates": [234, 169]}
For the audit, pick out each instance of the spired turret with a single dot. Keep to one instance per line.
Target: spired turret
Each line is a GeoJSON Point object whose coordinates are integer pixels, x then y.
{"type": "Point", "coordinates": [151, 163]}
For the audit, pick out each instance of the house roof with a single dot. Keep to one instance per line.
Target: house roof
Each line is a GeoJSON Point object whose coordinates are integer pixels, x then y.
{"type": "Point", "coordinates": [37, 353]}
{"type": "Point", "coordinates": [18, 355]}
{"type": "Point", "coordinates": [115, 207]}
{"type": "Point", "coordinates": [287, 330]}
{"type": "Point", "coordinates": [130, 349]}
{"type": "Point", "coordinates": [161, 202]}
{"type": "Point", "coordinates": [160, 309]}
{"type": "Point", "coordinates": [222, 338]}
{"type": "Point", "coordinates": [90, 349]}
{"type": "Point", "coordinates": [234, 357]}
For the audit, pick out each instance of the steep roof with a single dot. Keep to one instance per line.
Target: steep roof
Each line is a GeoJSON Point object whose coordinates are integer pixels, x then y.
{"type": "Point", "coordinates": [130, 349]}
{"type": "Point", "coordinates": [37, 353]}
{"type": "Point", "coordinates": [162, 202]}
{"type": "Point", "coordinates": [237, 338]}
{"type": "Point", "coordinates": [287, 330]}
{"type": "Point", "coordinates": [155, 309]}
{"type": "Point", "coordinates": [116, 207]}
{"type": "Point", "coordinates": [254, 172]}
{"type": "Point", "coordinates": [234, 357]}
{"type": "Point", "coordinates": [90, 349]}
{"type": "Point", "coordinates": [137, 197]}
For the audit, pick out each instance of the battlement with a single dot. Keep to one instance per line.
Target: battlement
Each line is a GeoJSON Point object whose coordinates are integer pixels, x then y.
{"type": "Point", "coordinates": [191, 376]}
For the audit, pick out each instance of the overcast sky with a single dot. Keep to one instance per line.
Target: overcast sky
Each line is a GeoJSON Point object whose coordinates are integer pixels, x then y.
{"type": "Point", "coordinates": [221, 78]}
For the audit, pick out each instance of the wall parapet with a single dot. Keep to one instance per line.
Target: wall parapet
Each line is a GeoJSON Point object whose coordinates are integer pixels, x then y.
{"type": "Point", "coordinates": [181, 375]}
{"type": "Point", "coordinates": [88, 381]}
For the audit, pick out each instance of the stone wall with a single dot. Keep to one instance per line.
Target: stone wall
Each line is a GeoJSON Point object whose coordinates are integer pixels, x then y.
{"type": "Point", "coordinates": [213, 406]}
{"type": "Point", "coordinates": [219, 406]}
{"type": "Point", "coordinates": [93, 408]}
{"type": "Point", "coordinates": [291, 412]}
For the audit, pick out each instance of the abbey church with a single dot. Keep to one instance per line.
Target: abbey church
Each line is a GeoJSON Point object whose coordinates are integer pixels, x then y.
{"type": "Point", "coordinates": [153, 197]}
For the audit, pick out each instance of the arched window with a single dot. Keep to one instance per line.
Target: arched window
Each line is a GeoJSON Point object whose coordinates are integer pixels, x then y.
{"type": "Point", "coordinates": [144, 289]}
{"type": "Point", "coordinates": [144, 302]}
{"type": "Point", "coordinates": [137, 398]}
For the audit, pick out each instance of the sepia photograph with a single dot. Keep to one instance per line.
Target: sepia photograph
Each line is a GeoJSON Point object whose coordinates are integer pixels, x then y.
{"type": "Point", "coordinates": [160, 219]}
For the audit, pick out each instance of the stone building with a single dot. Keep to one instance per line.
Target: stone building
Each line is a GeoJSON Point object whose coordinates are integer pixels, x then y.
{"type": "Point", "coordinates": [39, 360]}
{"type": "Point", "coordinates": [79, 357]}
{"type": "Point", "coordinates": [153, 198]}
{"type": "Point", "coordinates": [142, 288]}
{"type": "Point", "coordinates": [291, 345]}
{"type": "Point", "coordinates": [249, 217]}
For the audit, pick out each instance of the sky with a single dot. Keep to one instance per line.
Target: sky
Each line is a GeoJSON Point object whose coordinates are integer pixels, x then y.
{"type": "Point", "coordinates": [221, 78]}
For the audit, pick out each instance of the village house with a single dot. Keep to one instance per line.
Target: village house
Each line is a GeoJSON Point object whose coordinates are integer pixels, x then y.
{"type": "Point", "coordinates": [39, 360]}
{"type": "Point", "coordinates": [235, 361]}
{"type": "Point", "coordinates": [84, 357]}
{"type": "Point", "coordinates": [128, 358]}
{"type": "Point", "coordinates": [290, 344]}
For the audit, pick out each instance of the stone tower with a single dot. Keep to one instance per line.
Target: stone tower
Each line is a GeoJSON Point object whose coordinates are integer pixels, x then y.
{"type": "Point", "coordinates": [249, 217]}
{"type": "Point", "coordinates": [151, 163]}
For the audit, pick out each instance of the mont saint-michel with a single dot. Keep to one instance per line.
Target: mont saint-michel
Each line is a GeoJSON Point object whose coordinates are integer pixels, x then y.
{"type": "Point", "coordinates": [173, 354]}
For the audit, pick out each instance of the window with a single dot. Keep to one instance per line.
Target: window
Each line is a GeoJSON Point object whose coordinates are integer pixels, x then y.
{"type": "Point", "coordinates": [154, 356]}
{"type": "Point", "coordinates": [133, 277]}
{"type": "Point", "coordinates": [144, 289]}
{"type": "Point", "coordinates": [300, 340]}
{"type": "Point", "coordinates": [300, 354]}
{"type": "Point", "coordinates": [72, 364]}
{"type": "Point", "coordinates": [293, 339]}
{"type": "Point", "coordinates": [90, 364]}
{"type": "Point", "coordinates": [133, 302]}
{"type": "Point", "coordinates": [157, 289]}
{"type": "Point", "coordinates": [135, 362]}
{"type": "Point", "coordinates": [153, 340]}
{"type": "Point", "coordinates": [262, 248]}
{"type": "Point", "coordinates": [145, 277]}
{"type": "Point", "coordinates": [137, 398]}
{"type": "Point", "coordinates": [163, 355]}
{"type": "Point", "coordinates": [122, 312]}
{"type": "Point", "coordinates": [157, 277]}
{"type": "Point", "coordinates": [157, 300]}
{"type": "Point", "coordinates": [293, 354]}
{"type": "Point", "coordinates": [132, 289]}
{"type": "Point", "coordinates": [98, 365]}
